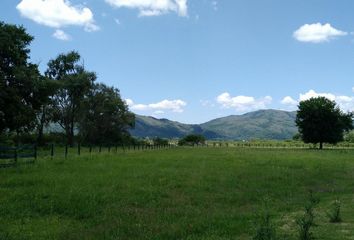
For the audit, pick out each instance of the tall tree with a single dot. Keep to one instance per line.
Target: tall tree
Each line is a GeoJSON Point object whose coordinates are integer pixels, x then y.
{"type": "Point", "coordinates": [47, 89]}
{"type": "Point", "coordinates": [19, 80]}
{"type": "Point", "coordinates": [106, 117]}
{"type": "Point", "coordinates": [74, 84]}
{"type": "Point", "coordinates": [320, 121]}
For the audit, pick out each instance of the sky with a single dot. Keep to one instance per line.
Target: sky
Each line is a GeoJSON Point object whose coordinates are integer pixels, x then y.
{"type": "Point", "coordinates": [196, 60]}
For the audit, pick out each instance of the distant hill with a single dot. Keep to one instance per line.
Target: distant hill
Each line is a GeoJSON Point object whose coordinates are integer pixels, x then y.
{"type": "Point", "coordinates": [164, 128]}
{"type": "Point", "coordinates": [262, 124]}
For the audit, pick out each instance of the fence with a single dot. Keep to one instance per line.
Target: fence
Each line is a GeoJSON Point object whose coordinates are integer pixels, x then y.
{"type": "Point", "coordinates": [280, 144]}
{"type": "Point", "coordinates": [10, 156]}
{"type": "Point", "coordinates": [65, 151]}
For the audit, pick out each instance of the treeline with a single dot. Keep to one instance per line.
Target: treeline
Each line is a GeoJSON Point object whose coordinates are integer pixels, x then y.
{"type": "Point", "coordinates": [66, 95]}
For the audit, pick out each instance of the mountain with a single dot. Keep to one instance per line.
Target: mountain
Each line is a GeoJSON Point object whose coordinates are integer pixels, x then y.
{"type": "Point", "coordinates": [164, 128]}
{"type": "Point", "coordinates": [262, 124]}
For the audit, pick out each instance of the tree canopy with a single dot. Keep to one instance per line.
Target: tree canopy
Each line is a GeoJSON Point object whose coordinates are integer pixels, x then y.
{"type": "Point", "coordinates": [66, 94]}
{"type": "Point", "coordinates": [105, 117]}
{"type": "Point", "coordinates": [19, 80]}
{"type": "Point", "coordinates": [320, 120]}
{"type": "Point", "coordinates": [74, 84]}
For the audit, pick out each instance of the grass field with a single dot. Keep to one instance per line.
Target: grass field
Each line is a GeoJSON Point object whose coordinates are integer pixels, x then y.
{"type": "Point", "coordinates": [181, 193]}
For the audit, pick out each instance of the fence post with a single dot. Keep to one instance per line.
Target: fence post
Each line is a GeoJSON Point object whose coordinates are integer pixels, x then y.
{"type": "Point", "coordinates": [109, 149]}
{"type": "Point", "coordinates": [15, 156]}
{"type": "Point", "coordinates": [90, 150]}
{"type": "Point", "coordinates": [52, 151]}
{"type": "Point", "coordinates": [78, 149]}
{"type": "Point", "coordinates": [66, 151]}
{"type": "Point", "coordinates": [35, 152]}
{"type": "Point", "coordinates": [100, 149]}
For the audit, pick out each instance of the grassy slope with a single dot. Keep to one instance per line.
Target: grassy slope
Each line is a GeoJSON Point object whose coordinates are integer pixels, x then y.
{"type": "Point", "coordinates": [173, 194]}
{"type": "Point", "coordinates": [262, 124]}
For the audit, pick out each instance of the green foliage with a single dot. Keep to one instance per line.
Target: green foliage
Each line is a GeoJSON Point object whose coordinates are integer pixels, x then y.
{"type": "Point", "coordinates": [320, 121]}
{"type": "Point", "coordinates": [297, 137]}
{"type": "Point", "coordinates": [349, 137]}
{"type": "Point", "coordinates": [264, 228]}
{"type": "Point", "coordinates": [74, 84]}
{"type": "Point", "coordinates": [105, 117]}
{"type": "Point", "coordinates": [192, 139]}
{"type": "Point", "coordinates": [307, 221]}
{"type": "Point", "coordinates": [334, 214]}
{"type": "Point", "coordinates": [19, 81]}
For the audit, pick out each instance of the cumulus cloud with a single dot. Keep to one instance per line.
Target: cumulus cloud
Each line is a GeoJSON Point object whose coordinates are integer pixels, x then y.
{"type": "Point", "coordinates": [61, 35]}
{"type": "Point", "coordinates": [313, 94]}
{"type": "Point", "coordinates": [243, 103]}
{"type": "Point", "coordinates": [346, 103]}
{"type": "Point", "coordinates": [317, 33]}
{"type": "Point", "coordinates": [159, 107]}
{"type": "Point", "coordinates": [57, 14]}
{"type": "Point", "coordinates": [289, 101]}
{"type": "Point", "coordinates": [153, 7]}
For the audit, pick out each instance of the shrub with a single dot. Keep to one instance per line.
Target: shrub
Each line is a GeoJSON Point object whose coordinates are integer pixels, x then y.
{"type": "Point", "coordinates": [191, 140]}
{"type": "Point", "coordinates": [334, 214]}
{"type": "Point", "coordinates": [306, 222]}
{"type": "Point", "coordinates": [264, 228]}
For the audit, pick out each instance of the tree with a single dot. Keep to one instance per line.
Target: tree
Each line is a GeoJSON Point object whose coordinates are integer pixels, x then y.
{"type": "Point", "coordinates": [47, 89]}
{"type": "Point", "coordinates": [105, 117]}
{"type": "Point", "coordinates": [19, 80]}
{"type": "Point", "coordinates": [74, 84]}
{"type": "Point", "coordinates": [320, 121]}
{"type": "Point", "coordinates": [192, 139]}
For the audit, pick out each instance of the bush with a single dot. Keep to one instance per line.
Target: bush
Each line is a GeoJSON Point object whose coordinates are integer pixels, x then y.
{"type": "Point", "coordinates": [265, 230]}
{"type": "Point", "coordinates": [191, 140]}
{"type": "Point", "coordinates": [334, 214]}
{"type": "Point", "coordinates": [307, 221]}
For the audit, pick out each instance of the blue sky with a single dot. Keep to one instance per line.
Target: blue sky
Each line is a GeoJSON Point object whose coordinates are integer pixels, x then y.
{"type": "Point", "coordinates": [195, 60]}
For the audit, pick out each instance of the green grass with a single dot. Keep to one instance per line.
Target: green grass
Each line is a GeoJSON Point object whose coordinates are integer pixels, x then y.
{"type": "Point", "coordinates": [181, 193]}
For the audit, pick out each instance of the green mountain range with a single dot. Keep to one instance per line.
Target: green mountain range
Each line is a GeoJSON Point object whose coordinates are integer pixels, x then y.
{"type": "Point", "coordinates": [262, 124]}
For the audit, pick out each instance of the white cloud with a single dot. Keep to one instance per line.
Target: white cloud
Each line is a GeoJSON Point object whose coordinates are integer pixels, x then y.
{"type": "Point", "coordinates": [243, 103]}
{"type": "Point", "coordinates": [353, 89]}
{"type": "Point", "coordinates": [57, 14]}
{"type": "Point", "coordinates": [289, 101]}
{"type": "Point", "coordinates": [159, 107]}
{"type": "Point", "coordinates": [129, 102]}
{"type": "Point", "coordinates": [313, 94]}
{"type": "Point", "coordinates": [61, 35]}
{"type": "Point", "coordinates": [346, 103]}
{"type": "Point", "coordinates": [153, 7]}
{"type": "Point", "coordinates": [317, 33]}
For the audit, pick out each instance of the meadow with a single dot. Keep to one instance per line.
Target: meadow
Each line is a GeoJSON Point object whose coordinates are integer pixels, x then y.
{"type": "Point", "coordinates": [178, 193]}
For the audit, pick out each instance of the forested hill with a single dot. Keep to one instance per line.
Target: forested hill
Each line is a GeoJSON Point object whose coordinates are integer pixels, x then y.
{"type": "Point", "coordinates": [262, 124]}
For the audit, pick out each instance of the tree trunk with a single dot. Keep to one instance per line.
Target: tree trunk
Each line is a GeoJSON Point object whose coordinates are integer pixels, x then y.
{"type": "Point", "coordinates": [321, 145]}
{"type": "Point", "coordinates": [71, 134]}
{"type": "Point", "coordinates": [40, 129]}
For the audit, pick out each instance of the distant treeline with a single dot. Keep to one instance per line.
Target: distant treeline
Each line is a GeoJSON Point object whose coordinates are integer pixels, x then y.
{"type": "Point", "coordinates": [66, 94]}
